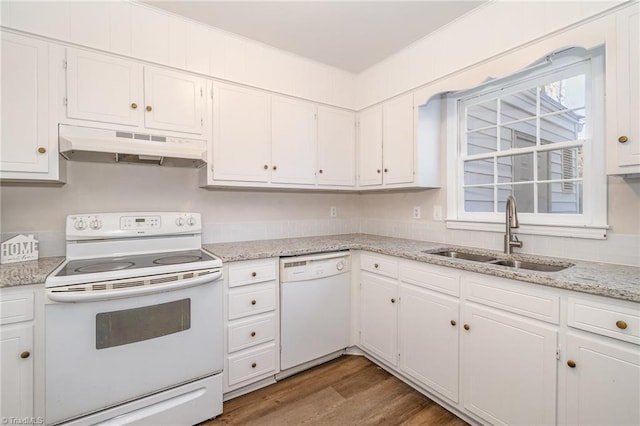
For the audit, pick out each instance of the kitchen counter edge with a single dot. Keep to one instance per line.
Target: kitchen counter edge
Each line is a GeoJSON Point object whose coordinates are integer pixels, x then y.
{"type": "Point", "coordinates": [29, 272]}
{"type": "Point", "coordinates": [603, 279]}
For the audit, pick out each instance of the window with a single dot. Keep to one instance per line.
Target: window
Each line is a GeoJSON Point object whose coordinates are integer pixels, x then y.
{"type": "Point", "coordinates": [538, 136]}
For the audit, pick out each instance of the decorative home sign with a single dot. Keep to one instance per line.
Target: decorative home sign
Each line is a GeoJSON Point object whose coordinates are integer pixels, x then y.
{"type": "Point", "coordinates": [19, 249]}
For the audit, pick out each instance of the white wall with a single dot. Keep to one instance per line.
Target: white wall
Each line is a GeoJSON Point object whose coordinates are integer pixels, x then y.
{"type": "Point", "coordinates": [228, 215]}
{"type": "Point", "coordinates": [486, 32]}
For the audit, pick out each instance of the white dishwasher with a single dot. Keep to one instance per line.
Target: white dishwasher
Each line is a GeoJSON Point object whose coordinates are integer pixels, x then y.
{"type": "Point", "coordinates": [315, 305]}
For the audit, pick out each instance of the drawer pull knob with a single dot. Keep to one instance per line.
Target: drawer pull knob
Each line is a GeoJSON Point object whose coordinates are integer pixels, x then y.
{"type": "Point", "coordinates": [149, 108]}
{"type": "Point", "coordinates": [275, 167]}
{"type": "Point", "coordinates": [254, 365]}
{"type": "Point", "coordinates": [253, 274]}
{"type": "Point", "coordinates": [265, 167]}
{"type": "Point", "coordinates": [393, 300]}
{"type": "Point", "coordinates": [42, 150]}
{"type": "Point", "coordinates": [134, 105]}
{"type": "Point", "coordinates": [253, 302]}
{"type": "Point", "coordinates": [466, 327]}
{"type": "Point", "coordinates": [571, 363]}
{"type": "Point", "coordinates": [25, 354]}
{"type": "Point", "coordinates": [320, 171]}
{"type": "Point", "coordinates": [453, 323]}
{"type": "Point", "coordinates": [253, 334]}
{"type": "Point", "coordinates": [386, 170]}
{"type": "Point", "coordinates": [621, 325]}
{"type": "Point", "coordinates": [623, 139]}
{"type": "Point", "coordinates": [379, 171]}
{"type": "Point", "coordinates": [376, 265]}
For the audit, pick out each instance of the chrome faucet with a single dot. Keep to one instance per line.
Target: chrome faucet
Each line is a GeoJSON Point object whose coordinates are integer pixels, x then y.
{"type": "Point", "coordinates": [511, 219]}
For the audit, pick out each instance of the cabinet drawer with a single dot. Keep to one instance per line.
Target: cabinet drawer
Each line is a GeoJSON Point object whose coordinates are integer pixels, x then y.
{"type": "Point", "coordinates": [16, 307]}
{"type": "Point", "coordinates": [251, 300]}
{"type": "Point", "coordinates": [512, 296]}
{"type": "Point", "coordinates": [619, 322]}
{"type": "Point", "coordinates": [251, 272]}
{"type": "Point", "coordinates": [436, 278]}
{"type": "Point", "coordinates": [379, 265]}
{"type": "Point", "coordinates": [252, 363]}
{"type": "Point", "coordinates": [251, 332]}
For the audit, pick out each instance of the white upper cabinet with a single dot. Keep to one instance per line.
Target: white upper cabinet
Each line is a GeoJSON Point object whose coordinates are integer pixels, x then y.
{"type": "Point", "coordinates": [336, 147]}
{"type": "Point", "coordinates": [173, 101]}
{"type": "Point", "coordinates": [370, 146]}
{"type": "Point", "coordinates": [624, 134]}
{"type": "Point", "coordinates": [106, 89]}
{"type": "Point", "coordinates": [293, 149]}
{"type": "Point", "coordinates": [29, 148]}
{"type": "Point", "coordinates": [398, 140]}
{"type": "Point", "coordinates": [103, 88]}
{"type": "Point", "coordinates": [242, 134]}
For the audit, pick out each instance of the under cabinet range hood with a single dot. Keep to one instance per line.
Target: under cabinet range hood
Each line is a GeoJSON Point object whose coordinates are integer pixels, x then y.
{"type": "Point", "coordinates": [117, 146]}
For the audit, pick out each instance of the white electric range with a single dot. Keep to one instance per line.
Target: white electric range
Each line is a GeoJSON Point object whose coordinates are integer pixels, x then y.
{"type": "Point", "coordinates": [134, 323]}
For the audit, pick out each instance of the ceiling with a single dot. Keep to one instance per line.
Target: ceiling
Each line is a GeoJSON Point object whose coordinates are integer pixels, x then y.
{"type": "Point", "coordinates": [351, 35]}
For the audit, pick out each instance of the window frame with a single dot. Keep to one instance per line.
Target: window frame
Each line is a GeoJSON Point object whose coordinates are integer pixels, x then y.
{"type": "Point", "coordinates": [592, 223]}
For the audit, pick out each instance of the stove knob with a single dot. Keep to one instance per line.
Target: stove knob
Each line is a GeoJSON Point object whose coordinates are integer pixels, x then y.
{"type": "Point", "coordinates": [95, 224]}
{"type": "Point", "coordinates": [80, 224]}
{"type": "Point", "coordinates": [191, 221]}
{"type": "Point", "coordinates": [180, 221]}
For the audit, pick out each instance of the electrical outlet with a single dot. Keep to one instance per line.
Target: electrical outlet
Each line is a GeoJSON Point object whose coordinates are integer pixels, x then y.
{"type": "Point", "coordinates": [437, 212]}
{"type": "Point", "coordinates": [416, 212]}
{"type": "Point", "coordinates": [333, 212]}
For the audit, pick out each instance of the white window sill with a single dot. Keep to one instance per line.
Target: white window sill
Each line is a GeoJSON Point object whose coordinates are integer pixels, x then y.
{"type": "Point", "coordinates": [589, 232]}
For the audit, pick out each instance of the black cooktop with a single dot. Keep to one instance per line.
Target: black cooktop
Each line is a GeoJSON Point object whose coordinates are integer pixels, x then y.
{"type": "Point", "coordinates": [110, 264]}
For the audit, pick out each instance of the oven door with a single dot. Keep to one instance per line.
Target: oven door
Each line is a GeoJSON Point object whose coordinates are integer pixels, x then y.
{"type": "Point", "coordinates": [100, 353]}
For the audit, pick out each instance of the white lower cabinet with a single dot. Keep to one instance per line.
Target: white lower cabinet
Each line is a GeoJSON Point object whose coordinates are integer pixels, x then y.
{"type": "Point", "coordinates": [428, 337]}
{"type": "Point", "coordinates": [16, 354]}
{"type": "Point", "coordinates": [379, 317]}
{"type": "Point", "coordinates": [251, 323]}
{"type": "Point", "coordinates": [509, 367]}
{"type": "Point", "coordinates": [602, 381]}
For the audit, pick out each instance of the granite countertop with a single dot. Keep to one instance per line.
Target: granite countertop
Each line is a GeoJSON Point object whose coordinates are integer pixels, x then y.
{"type": "Point", "coordinates": [615, 281]}
{"type": "Point", "coordinates": [26, 273]}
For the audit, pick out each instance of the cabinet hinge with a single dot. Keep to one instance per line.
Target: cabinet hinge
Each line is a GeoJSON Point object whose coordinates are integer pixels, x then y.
{"type": "Point", "coordinates": [65, 101]}
{"type": "Point", "coordinates": [315, 116]}
{"type": "Point", "coordinates": [201, 122]}
{"type": "Point", "coordinates": [64, 64]}
{"type": "Point", "coordinates": [201, 92]}
{"type": "Point", "coordinates": [211, 94]}
{"type": "Point", "coordinates": [558, 352]}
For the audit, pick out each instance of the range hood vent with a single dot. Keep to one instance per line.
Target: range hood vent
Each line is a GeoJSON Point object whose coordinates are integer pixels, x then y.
{"type": "Point", "coordinates": [116, 146]}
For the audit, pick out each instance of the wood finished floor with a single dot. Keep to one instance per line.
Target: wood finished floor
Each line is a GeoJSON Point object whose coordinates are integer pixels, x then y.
{"type": "Point", "coordinates": [350, 390]}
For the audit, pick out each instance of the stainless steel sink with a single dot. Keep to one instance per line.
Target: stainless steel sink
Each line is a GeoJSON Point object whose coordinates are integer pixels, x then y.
{"type": "Point", "coordinates": [463, 255]}
{"type": "Point", "coordinates": [510, 263]}
{"type": "Point", "coordinates": [531, 266]}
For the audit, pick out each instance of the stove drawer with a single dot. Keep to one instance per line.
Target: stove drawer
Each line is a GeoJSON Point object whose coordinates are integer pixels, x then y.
{"type": "Point", "coordinates": [250, 300]}
{"type": "Point", "coordinates": [251, 332]}
{"type": "Point", "coordinates": [251, 364]}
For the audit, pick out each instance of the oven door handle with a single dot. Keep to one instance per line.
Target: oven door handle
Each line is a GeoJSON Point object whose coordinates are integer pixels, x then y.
{"type": "Point", "coordinates": [94, 295]}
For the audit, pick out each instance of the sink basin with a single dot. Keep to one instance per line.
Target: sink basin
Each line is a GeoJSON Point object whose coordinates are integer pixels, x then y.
{"type": "Point", "coordinates": [463, 255]}
{"type": "Point", "coordinates": [531, 266]}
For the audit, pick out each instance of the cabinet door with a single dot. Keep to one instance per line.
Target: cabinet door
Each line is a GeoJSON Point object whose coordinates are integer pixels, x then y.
{"type": "Point", "coordinates": [293, 145]}
{"type": "Point", "coordinates": [336, 147]}
{"type": "Point", "coordinates": [103, 88]}
{"type": "Point", "coordinates": [25, 94]}
{"type": "Point", "coordinates": [509, 367]}
{"type": "Point", "coordinates": [173, 101]}
{"type": "Point", "coordinates": [370, 147]}
{"type": "Point", "coordinates": [398, 141]}
{"type": "Point", "coordinates": [603, 387]}
{"type": "Point", "coordinates": [242, 134]}
{"type": "Point", "coordinates": [379, 320]}
{"type": "Point", "coordinates": [628, 86]}
{"type": "Point", "coordinates": [16, 342]}
{"type": "Point", "coordinates": [428, 337]}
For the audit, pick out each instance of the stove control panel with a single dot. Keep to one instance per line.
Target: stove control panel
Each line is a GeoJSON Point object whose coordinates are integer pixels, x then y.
{"type": "Point", "coordinates": [124, 225]}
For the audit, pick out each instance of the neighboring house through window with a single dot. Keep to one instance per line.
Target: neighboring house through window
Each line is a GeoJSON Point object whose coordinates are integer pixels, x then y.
{"type": "Point", "coordinates": [538, 135]}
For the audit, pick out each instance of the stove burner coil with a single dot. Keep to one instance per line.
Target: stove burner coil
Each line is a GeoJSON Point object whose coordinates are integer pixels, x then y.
{"type": "Point", "coordinates": [174, 260]}
{"type": "Point", "coordinates": [104, 267]}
